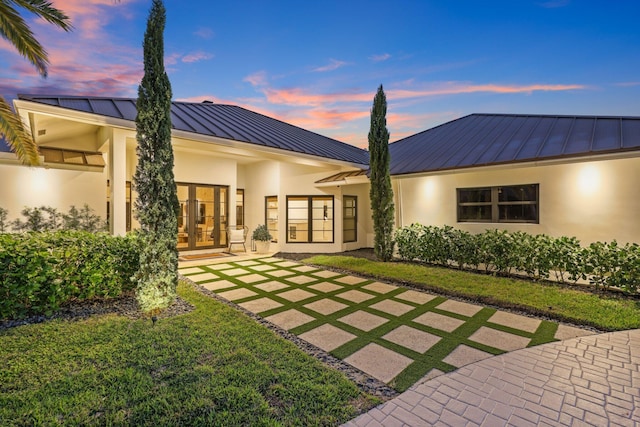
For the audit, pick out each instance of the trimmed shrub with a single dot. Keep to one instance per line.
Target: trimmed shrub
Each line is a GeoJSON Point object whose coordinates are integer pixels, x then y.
{"type": "Point", "coordinates": [41, 271]}
{"type": "Point", "coordinates": [604, 265]}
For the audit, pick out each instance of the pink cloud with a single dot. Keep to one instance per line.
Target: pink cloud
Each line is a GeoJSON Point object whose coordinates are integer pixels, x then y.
{"type": "Point", "coordinates": [204, 33]}
{"type": "Point", "coordinates": [257, 79]}
{"type": "Point", "coordinates": [380, 58]}
{"type": "Point", "coordinates": [197, 56]}
{"type": "Point", "coordinates": [334, 64]}
{"type": "Point", "coordinates": [454, 88]}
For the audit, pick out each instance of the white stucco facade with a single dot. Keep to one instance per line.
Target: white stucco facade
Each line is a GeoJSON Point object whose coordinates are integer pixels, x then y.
{"type": "Point", "coordinates": [593, 199]}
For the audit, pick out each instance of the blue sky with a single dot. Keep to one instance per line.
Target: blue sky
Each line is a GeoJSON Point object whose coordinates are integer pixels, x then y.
{"type": "Point", "coordinates": [317, 64]}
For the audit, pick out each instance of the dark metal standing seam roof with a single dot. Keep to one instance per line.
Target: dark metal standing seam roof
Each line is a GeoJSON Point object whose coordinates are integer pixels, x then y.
{"type": "Point", "coordinates": [492, 139]}
{"type": "Point", "coordinates": [224, 121]}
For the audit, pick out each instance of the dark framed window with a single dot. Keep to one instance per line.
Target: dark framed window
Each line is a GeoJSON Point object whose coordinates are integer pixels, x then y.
{"type": "Point", "coordinates": [310, 219]}
{"type": "Point", "coordinates": [512, 203]}
{"type": "Point", "coordinates": [271, 216]}
{"type": "Point", "coordinates": [349, 219]}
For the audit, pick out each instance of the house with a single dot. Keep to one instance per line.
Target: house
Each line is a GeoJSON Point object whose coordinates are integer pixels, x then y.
{"type": "Point", "coordinates": [232, 167]}
{"type": "Point", "coordinates": [559, 175]}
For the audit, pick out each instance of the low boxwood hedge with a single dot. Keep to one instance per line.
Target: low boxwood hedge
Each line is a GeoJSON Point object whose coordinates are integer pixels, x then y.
{"type": "Point", "coordinates": [604, 265]}
{"type": "Point", "coordinates": [41, 271]}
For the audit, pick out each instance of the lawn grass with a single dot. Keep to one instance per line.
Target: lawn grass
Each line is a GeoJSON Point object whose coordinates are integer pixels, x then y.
{"type": "Point", "coordinates": [213, 366]}
{"type": "Point", "coordinates": [603, 311]}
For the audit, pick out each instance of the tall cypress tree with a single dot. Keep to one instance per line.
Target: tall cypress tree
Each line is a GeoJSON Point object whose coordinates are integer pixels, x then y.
{"type": "Point", "coordinates": [157, 202]}
{"type": "Point", "coordinates": [381, 193]}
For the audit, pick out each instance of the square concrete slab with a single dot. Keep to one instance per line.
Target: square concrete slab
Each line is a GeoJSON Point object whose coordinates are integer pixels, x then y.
{"type": "Point", "coordinates": [219, 266]}
{"type": "Point", "coordinates": [565, 332]}
{"type": "Point", "coordinates": [438, 321]}
{"type": "Point", "coordinates": [363, 320]}
{"type": "Point", "coordinates": [381, 288]}
{"type": "Point", "coordinates": [270, 259]}
{"type": "Point", "coordinates": [189, 270]}
{"type": "Point", "coordinates": [236, 272]}
{"type": "Point", "coordinates": [415, 297]}
{"type": "Point", "coordinates": [325, 274]}
{"type": "Point", "coordinates": [295, 295]}
{"type": "Point", "coordinates": [463, 355]}
{"type": "Point", "coordinates": [350, 280]}
{"type": "Point", "coordinates": [326, 306]}
{"type": "Point", "coordinates": [247, 263]}
{"type": "Point", "coordinates": [300, 280]}
{"type": "Point", "coordinates": [220, 284]}
{"type": "Point", "coordinates": [304, 268]}
{"type": "Point", "coordinates": [280, 273]}
{"type": "Point", "coordinates": [355, 296]}
{"type": "Point", "coordinates": [203, 276]}
{"type": "Point", "coordinates": [237, 294]}
{"type": "Point", "coordinates": [327, 337]}
{"type": "Point", "coordinates": [499, 339]}
{"type": "Point", "coordinates": [262, 267]}
{"type": "Point", "coordinates": [459, 307]}
{"type": "Point", "coordinates": [286, 264]}
{"type": "Point", "coordinates": [515, 321]}
{"type": "Point", "coordinates": [325, 287]}
{"type": "Point", "coordinates": [259, 305]}
{"type": "Point", "coordinates": [412, 338]}
{"type": "Point", "coordinates": [251, 278]}
{"type": "Point", "coordinates": [379, 362]}
{"type": "Point", "coordinates": [271, 286]}
{"type": "Point", "coordinates": [290, 319]}
{"type": "Point", "coordinates": [393, 307]}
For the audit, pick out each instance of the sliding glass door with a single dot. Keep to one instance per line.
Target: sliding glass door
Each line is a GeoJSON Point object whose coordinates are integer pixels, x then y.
{"type": "Point", "coordinates": [202, 219]}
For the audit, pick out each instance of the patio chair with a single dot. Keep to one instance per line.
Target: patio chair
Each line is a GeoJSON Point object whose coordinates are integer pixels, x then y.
{"type": "Point", "coordinates": [237, 235]}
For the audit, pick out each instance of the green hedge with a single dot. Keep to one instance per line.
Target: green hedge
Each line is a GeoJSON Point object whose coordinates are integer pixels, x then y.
{"type": "Point", "coordinates": [606, 265]}
{"type": "Point", "coordinates": [41, 271]}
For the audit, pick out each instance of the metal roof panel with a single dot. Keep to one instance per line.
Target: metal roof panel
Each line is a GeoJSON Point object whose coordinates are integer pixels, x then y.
{"type": "Point", "coordinates": [224, 121]}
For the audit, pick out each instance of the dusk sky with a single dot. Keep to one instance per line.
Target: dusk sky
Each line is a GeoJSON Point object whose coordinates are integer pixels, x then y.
{"type": "Point", "coordinates": [317, 64]}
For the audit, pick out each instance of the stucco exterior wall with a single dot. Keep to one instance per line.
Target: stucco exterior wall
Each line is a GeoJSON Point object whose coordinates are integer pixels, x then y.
{"type": "Point", "coordinates": [591, 200]}
{"type": "Point", "coordinates": [34, 187]}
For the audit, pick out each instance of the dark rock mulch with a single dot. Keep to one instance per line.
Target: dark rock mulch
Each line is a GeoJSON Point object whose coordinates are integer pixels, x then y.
{"type": "Point", "coordinates": [82, 309]}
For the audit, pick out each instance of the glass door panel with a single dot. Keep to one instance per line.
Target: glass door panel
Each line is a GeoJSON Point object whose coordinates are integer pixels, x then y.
{"type": "Point", "coordinates": [202, 216]}
{"type": "Point", "coordinates": [205, 203]}
{"type": "Point", "coordinates": [183, 217]}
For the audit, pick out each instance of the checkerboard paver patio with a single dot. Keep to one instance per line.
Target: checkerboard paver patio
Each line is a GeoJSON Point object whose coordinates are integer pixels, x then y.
{"type": "Point", "coordinates": [393, 333]}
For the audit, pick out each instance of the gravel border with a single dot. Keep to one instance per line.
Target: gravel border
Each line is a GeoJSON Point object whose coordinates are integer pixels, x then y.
{"type": "Point", "coordinates": [83, 309]}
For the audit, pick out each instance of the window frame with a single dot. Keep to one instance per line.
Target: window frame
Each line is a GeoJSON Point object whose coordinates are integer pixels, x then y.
{"type": "Point", "coordinates": [355, 218]}
{"type": "Point", "coordinates": [273, 232]}
{"type": "Point", "coordinates": [310, 229]}
{"type": "Point", "coordinates": [494, 204]}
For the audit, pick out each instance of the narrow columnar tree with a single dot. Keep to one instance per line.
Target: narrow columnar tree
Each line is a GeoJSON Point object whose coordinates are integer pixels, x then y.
{"type": "Point", "coordinates": [381, 193]}
{"type": "Point", "coordinates": [157, 202]}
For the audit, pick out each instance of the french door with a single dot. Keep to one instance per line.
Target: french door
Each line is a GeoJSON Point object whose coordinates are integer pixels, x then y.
{"type": "Point", "coordinates": [203, 216]}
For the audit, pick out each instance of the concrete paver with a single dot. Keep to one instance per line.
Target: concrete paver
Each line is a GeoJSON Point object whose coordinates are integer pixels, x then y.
{"type": "Point", "coordinates": [505, 389]}
{"type": "Point", "coordinates": [379, 362]}
{"type": "Point", "coordinates": [582, 380]}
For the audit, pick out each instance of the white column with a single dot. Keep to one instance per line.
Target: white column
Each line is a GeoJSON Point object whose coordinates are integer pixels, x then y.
{"type": "Point", "coordinates": [118, 179]}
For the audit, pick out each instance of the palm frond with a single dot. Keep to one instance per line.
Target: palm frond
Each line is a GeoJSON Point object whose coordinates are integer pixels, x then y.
{"type": "Point", "coordinates": [15, 30]}
{"type": "Point", "coordinates": [17, 136]}
{"type": "Point", "coordinates": [46, 11]}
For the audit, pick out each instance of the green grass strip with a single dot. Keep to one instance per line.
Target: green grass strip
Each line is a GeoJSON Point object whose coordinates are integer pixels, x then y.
{"type": "Point", "coordinates": [606, 312]}
{"type": "Point", "coordinates": [213, 366]}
